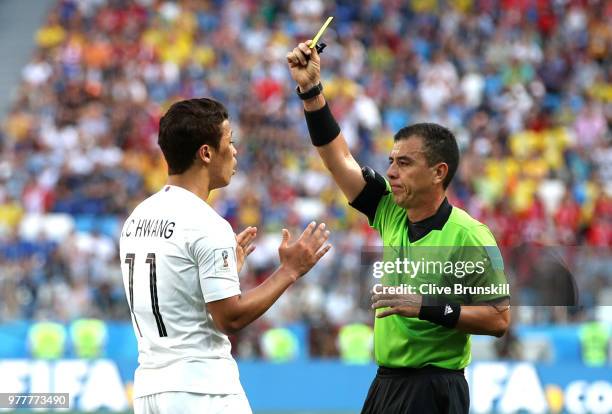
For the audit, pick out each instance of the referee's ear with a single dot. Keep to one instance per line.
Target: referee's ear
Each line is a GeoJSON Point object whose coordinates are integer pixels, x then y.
{"type": "Point", "coordinates": [440, 171]}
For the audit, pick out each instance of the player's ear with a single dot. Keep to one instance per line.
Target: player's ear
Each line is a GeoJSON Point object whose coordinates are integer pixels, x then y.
{"type": "Point", "coordinates": [205, 154]}
{"type": "Point", "coordinates": [439, 172]}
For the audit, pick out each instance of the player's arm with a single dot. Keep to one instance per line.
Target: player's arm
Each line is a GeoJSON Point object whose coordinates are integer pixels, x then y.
{"type": "Point", "coordinates": [492, 318]}
{"type": "Point", "coordinates": [304, 64]}
{"type": "Point", "coordinates": [234, 313]}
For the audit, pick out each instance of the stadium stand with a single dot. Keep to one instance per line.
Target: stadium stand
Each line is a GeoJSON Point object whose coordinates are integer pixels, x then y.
{"type": "Point", "coordinates": [526, 86]}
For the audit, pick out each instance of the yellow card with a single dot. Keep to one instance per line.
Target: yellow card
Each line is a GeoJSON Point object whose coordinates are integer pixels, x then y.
{"type": "Point", "coordinates": [320, 33]}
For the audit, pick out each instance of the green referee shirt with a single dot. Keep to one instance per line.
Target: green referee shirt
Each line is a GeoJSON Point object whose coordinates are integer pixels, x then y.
{"type": "Point", "coordinates": [450, 236]}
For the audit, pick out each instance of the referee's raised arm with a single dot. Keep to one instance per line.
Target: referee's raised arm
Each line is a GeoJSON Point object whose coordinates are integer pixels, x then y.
{"type": "Point", "coordinates": [305, 66]}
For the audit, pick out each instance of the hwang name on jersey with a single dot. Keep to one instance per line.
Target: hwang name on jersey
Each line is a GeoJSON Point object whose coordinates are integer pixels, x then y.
{"type": "Point", "coordinates": [149, 227]}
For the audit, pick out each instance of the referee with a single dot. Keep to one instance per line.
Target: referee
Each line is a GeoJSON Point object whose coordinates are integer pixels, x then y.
{"type": "Point", "coordinates": [421, 350]}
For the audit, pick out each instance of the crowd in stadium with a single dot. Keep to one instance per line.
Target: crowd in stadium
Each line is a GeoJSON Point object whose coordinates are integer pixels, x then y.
{"type": "Point", "coordinates": [525, 86]}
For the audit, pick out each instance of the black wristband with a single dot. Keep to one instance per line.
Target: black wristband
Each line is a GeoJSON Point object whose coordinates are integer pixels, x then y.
{"type": "Point", "coordinates": [310, 93]}
{"type": "Point", "coordinates": [445, 315]}
{"type": "Point", "coordinates": [322, 126]}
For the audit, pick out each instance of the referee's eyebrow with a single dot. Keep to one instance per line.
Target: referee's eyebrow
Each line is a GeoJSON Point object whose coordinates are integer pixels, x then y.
{"type": "Point", "coordinates": [401, 158]}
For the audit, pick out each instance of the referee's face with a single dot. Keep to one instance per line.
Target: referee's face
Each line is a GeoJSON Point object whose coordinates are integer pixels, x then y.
{"type": "Point", "coordinates": [223, 162]}
{"type": "Point", "coordinates": [410, 176]}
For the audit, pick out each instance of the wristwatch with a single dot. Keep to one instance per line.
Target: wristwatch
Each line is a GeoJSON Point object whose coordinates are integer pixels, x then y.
{"type": "Point", "coordinates": [310, 93]}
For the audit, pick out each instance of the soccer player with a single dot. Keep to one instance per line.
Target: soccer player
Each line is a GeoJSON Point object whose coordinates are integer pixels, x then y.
{"type": "Point", "coordinates": [421, 350]}
{"type": "Point", "coordinates": [180, 263]}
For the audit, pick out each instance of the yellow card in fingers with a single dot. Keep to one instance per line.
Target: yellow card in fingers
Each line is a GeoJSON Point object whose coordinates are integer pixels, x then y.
{"type": "Point", "coordinates": [320, 33]}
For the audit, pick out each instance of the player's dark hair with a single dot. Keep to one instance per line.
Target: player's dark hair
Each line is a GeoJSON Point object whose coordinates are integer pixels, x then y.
{"type": "Point", "coordinates": [186, 127]}
{"type": "Point", "coordinates": [439, 145]}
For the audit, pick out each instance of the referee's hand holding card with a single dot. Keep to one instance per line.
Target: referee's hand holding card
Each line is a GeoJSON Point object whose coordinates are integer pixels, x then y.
{"type": "Point", "coordinates": [305, 66]}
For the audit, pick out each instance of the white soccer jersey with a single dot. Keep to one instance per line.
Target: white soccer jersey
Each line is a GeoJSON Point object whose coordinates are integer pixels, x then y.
{"type": "Point", "coordinates": [177, 254]}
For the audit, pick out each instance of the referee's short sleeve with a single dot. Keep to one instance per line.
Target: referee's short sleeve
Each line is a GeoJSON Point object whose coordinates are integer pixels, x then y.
{"type": "Point", "coordinates": [215, 256]}
{"type": "Point", "coordinates": [387, 213]}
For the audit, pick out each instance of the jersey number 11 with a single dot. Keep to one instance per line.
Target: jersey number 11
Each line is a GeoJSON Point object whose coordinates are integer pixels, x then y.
{"type": "Point", "coordinates": [130, 258]}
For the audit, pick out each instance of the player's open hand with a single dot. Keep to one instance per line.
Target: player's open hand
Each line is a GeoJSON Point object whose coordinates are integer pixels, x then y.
{"type": "Point", "coordinates": [397, 304]}
{"type": "Point", "coordinates": [244, 245]}
{"type": "Point", "coordinates": [300, 256]}
{"type": "Point", "coordinates": [305, 66]}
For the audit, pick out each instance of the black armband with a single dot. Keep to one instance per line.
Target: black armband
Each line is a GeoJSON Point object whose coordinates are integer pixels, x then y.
{"type": "Point", "coordinates": [444, 315]}
{"type": "Point", "coordinates": [322, 126]}
{"type": "Point", "coordinates": [367, 200]}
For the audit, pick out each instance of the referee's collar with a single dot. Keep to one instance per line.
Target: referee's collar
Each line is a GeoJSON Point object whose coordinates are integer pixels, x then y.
{"type": "Point", "coordinates": [420, 229]}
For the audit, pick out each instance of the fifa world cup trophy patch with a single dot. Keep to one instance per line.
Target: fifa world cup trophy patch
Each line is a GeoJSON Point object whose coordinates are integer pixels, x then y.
{"type": "Point", "coordinates": [222, 259]}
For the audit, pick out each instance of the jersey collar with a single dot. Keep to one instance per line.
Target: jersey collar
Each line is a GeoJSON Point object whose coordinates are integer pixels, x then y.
{"type": "Point", "coordinates": [420, 229]}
